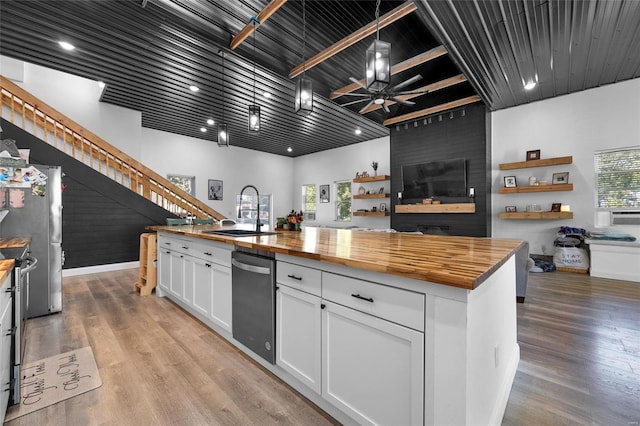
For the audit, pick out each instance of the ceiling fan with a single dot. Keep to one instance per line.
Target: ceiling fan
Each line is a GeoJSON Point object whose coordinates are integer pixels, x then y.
{"type": "Point", "coordinates": [379, 97]}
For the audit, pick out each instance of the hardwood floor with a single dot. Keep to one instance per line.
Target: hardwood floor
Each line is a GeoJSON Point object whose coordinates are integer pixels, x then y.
{"type": "Point", "coordinates": [579, 339]}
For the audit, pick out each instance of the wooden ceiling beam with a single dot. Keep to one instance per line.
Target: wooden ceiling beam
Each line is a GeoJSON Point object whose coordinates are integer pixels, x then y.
{"type": "Point", "coordinates": [433, 110]}
{"type": "Point", "coordinates": [265, 14]}
{"type": "Point", "coordinates": [397, 68]}
{"type": "Point", "coordinates": [429, 88]}
{"type": "Point", "coordinates": [369, 29]}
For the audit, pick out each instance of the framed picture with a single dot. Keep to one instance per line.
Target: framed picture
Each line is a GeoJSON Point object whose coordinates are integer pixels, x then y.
{"type": "Point", "coordinates": [510, 182]}
{"type": "Point", "coordinates": [533, 155]}
{"type": "Point", "coordinates": [381, 190]}
{"type": "Point", "coordinates": [324, 193]}
{"type": "Point", "coordinates": [510, 209]}
{"type": "Point", "coordinates": [383, 207]}
{"type": "Point", "coordinates": [215, 189]}
{"type": "Point", "coordinates": [555, 207]}
{"type": "Point", "coordinates": [559, 178]}
{"type": "Point", "coordinates": [186, 183]}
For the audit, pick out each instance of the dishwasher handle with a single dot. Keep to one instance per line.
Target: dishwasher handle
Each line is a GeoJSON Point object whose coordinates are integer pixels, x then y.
{"type": "Point", "coordinates": [251, 268]}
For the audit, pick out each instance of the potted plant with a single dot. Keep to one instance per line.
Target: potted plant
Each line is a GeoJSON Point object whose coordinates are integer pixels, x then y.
{"type": "Point", "coordinates": [295, 220]}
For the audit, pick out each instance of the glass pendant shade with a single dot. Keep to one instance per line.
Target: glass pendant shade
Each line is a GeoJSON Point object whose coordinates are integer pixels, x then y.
{"type": "Point", "coordinates": [223, 135]}
{"type": "Point", "coordinates": [254, 118]}
{"type": "Point", "coordinates": [378, 72]}
{"type": "Point", "coordinates": [304, 97]}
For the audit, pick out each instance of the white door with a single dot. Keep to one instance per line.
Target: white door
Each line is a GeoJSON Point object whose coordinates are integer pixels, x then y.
{"type": "Point", "coordinates": [298, 338]}
{"type": "Point", "coordinates": [202, 286]}
{"type": "Point", "coordinates": [164, 269]}
{"type": "Point", "coordinates": [176, 283]}
{"type": "Point", "coordinates": [372, 369]}
{"type": "Point", "coordinates": [188, 280]}
{"type": "Point", "coordinates": [221, 296]}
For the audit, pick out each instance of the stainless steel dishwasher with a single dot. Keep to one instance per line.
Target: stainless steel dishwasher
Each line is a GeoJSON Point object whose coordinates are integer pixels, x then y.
{"type": "Point", "coordinates": [253, 300]}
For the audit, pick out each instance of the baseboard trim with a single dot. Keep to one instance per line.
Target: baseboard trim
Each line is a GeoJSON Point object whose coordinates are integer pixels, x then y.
{"type": "Point", "coordinates": [99, 268]}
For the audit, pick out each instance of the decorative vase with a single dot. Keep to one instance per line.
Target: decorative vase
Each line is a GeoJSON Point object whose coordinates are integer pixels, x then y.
{"type": "Point", "coordinates": [298, 227]}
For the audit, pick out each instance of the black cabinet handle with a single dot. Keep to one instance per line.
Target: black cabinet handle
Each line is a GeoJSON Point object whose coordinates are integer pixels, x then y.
{"type": "Point", "coordinates": [208, 265]}
{"type": "Point", "coordinates": [295, 277]}
{"type": "Point", "coordinates": [208, 254]}
{"type": "Point", "coordinates": [322, 306]}
{"type": "Point", "coordinates": [185, 247]}
{"type": "Point", "coordinates": [168, 252]}
{"type": "Point", "coordinates": [357, 296]}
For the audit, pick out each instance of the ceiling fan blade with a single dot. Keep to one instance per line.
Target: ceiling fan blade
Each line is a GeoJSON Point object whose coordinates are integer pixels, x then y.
{"type": "Point", "coordinates": [356, 81]}
{"type": "Point", "coordinates": [353, 102]}
{"type": "Point", "coordinates": [406, 82]}
{"type": "Point", "coordinates": [402, 101]}
{"type": "Point", "coordinates": [362, 111]}
{"type": "Point", "coordinates": [411, 92]}
{"type": "Point", "coordinates": [386, 108]}
{"type": "Point", "coordinates": [353, 94]}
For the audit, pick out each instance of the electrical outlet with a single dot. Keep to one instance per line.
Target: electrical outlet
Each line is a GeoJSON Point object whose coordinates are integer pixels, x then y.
{"type": "Point", "coordinates": [472, 192]}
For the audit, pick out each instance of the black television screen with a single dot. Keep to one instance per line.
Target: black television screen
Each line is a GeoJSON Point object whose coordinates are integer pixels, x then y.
{"type": "Point", "coordinates": [445, 178]}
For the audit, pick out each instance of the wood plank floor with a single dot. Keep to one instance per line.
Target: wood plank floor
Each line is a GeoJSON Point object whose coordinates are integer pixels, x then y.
{"type": "Point", "coordinates": [579, 339]}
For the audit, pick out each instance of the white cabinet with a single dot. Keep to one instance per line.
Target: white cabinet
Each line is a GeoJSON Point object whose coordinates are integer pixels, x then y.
{"type": "Point", "coordinates": [6, 313]}
{"type": "Point", "coordinates": [176, 282]}
{"type": "Point", "coordinates": [221, 294]}
{"type": "Point", "coordinates": [164, 269]}
{"type": "Point", "coordinates": [372, 369]}
{"type": "Point", "coordinates": [201, 281]}
{"type": "Point", "coordinates": [298, 335]}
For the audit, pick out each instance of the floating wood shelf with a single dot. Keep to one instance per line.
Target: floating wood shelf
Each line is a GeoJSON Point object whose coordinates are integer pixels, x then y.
{"type": "Point", "coordinates": [372, 179]}
{"type": "Point", "coordinates": [367, 196]}
{"type": "Point", "coordinates": [380, 214]}
{"type": "Point", "coordinates": [538, 188]}
{"type": "Point", "coordinates": [437, 208]}
{"type": "Point", "coordinates": [537, 163]}
{"type": "Point", "coordinates": [537, 215]}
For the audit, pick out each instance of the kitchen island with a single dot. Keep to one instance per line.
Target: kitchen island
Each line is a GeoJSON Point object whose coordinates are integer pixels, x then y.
{"type": "Point", "coordinates": [438, 345]}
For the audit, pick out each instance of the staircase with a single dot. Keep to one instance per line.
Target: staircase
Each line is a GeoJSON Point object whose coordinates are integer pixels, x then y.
{"type": "Point", "coordinates": [34, 116]}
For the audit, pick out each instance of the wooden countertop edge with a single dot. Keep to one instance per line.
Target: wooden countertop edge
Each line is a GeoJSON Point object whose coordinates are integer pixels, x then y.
{"type": "Point", "coordinates": [437, 277]}
{"type": "Point", "coordinates": [14, 242]}
{"type": "Point", "coordinates": [6, 265]}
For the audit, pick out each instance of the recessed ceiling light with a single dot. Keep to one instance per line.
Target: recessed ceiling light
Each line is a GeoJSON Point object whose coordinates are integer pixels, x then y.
{"type": "Point", "coordinates": [101, 84]}
{"type": "Point", "coordinates": [203, 129]}
{"type": "Point", "coordinates": [66, 45]}
{"type": "Point", "coordinates": [266, 95]}
{"type": "Point", "coordinates": [210, 122]}
{"type": "Point", "coordinates": [289, 149]}
{"type": "Point", "coordinates": [194, 88]}
{"type": "Point", "coordinates": [358, 131]}
{"type": "Point", "coordinates": [530, 85]}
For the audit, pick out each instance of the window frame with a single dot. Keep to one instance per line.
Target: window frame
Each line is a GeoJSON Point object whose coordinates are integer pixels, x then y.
{"type": "Point", "coordinates": [339, 201]}
{"type": "Point", "coordinates": [603, 198]}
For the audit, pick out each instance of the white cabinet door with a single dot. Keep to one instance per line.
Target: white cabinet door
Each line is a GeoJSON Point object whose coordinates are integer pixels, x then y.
{"type": "Point", "coordinates": [202, 286]}
{"type": "Point", "coordinates": [298, 338]}
{"type": "Point", "coordinates": [164, 270]}
{"type": "Point", "coordinates": [188, 280]}
{"type": "Point", "coordinates": [372, 369]}
{"type": "Point", "coordinates": [5, 355]}
{"type": "Point", "coordinates": [221, 296]}
{"type": "Point", "coordinates": [176, 283]}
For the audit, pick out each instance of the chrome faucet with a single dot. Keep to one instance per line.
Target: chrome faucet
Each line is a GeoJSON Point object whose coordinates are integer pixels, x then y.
{"type": "Point", "coordinates": [240, 210]}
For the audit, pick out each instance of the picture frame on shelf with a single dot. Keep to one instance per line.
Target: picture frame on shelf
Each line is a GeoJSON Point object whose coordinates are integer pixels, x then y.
{"type": "Point", "coordinates": [381, 190]}
{"type": "Point", "coordinates": [533, 155]}
{"type": "Point", "coordinates": [374, 209]}
{"type": "Point", "coordinates": [215, 189]}
{"type": "Point", "coordinates": [556, 207]}
{"type": "Point", "coordinates": [510, 209]}
{"type": "Point", "coordinates": [383, 207]}
{"type": "Point", "coordinates": [560, 178]}
{"type": "Point", "coordinates": [324, 193]}
{"type": "Point", "coordinates": [510, 182]}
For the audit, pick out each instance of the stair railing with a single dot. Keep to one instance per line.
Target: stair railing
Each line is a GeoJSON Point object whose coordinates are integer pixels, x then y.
{"type": "Point", "coordinates": [36, 117]}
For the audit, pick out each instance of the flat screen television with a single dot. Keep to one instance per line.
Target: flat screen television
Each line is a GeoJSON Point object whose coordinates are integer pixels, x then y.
{"type": "Point", "coordinates": [445, 178]}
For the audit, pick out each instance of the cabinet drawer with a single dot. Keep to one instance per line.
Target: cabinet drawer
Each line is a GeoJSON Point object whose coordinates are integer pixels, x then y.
{"type": "Point", "coordinates": [390, 303]}
{"type": "Point", "coordinates": [300, 277]}
{"type": "Point", "coordinates": [175, 244]}
{"type": "Point", "coordinates": [212, 252]}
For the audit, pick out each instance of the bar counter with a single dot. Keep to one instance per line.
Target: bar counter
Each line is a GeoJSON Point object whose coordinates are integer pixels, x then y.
{"type": "Point", "coordinates": [463, 262]}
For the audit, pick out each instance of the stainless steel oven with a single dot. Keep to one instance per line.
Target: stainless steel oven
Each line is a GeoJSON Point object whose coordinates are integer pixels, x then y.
{"type": "Point", "coordinates": [24, 264]}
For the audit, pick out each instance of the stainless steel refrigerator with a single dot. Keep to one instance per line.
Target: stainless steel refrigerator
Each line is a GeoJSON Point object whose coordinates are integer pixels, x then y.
{"type": "Point", "coordinates": [38, 214]}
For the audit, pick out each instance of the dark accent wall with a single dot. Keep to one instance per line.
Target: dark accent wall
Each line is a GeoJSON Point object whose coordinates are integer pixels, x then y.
{"type": "Point", "coordinates": [101, 219]}
{"type": "Point", "coordinates": [465, 137]}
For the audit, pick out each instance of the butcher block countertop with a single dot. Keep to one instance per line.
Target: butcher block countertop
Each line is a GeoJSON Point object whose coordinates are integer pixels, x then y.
{"type": "Point", "coordinates": [6, 265]}
{"type": "Point", "coordinates": [463, 262]}
{"type": "Point", "coordinates": [14, 242]}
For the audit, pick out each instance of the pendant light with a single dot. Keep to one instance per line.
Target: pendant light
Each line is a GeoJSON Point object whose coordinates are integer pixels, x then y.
{"type": "Point", "coordinates": [303, 104]}
{"type": "Point", "coordinates": [223, 133]}
{"type": "Point", "coordinates": [378, 60]}
{"type": "Point", "coordinates": [254, 110]}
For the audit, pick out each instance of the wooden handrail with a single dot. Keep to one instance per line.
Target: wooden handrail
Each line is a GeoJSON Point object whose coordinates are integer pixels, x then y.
{"type": "Point", "coordinates": [94, 151]}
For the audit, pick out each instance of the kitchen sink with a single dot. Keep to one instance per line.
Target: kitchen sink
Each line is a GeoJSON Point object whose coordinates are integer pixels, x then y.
{"type": "Point", "coordinates": [237, 232]}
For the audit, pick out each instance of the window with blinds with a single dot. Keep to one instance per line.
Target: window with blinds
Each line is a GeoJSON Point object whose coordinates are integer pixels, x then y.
{"type": "Point", "coordinates": [618, 178]}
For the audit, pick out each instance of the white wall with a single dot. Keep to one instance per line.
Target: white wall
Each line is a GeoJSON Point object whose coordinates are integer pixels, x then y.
{"type": "Point", "coordinates": [163, 152]}
{"type": "Point", "coordinates": [578, 124]}
{"type": "Point", "coordinates": [340, 164]}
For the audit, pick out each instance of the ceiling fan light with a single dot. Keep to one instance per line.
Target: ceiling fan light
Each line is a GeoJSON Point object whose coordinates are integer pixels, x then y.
{"type": "Point", "coordinates": [223, 135]}
{"type": "Point", "coordinates": [303, 103]}
{"type": "Point", "coordinates": [378, 65]}
{"type": "Point", "coordinates": [254, 118]}
{"type": "Point", "coordinates": [378, 100]}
